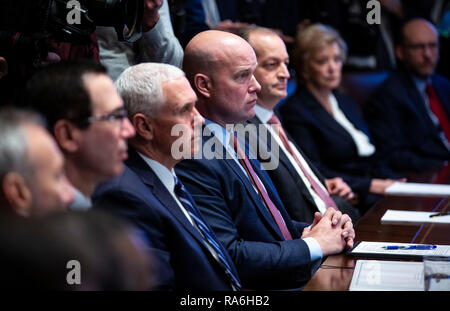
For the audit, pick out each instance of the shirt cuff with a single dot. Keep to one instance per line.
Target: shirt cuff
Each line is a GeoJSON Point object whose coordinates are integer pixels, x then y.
{"type": "Point", "coordinates": [314, 248]}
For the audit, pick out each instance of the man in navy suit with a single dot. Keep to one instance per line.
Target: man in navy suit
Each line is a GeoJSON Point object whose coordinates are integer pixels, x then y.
{"type": "Point", "coordinates": [159, 99]}
{"type": "Point", "coordinates": [237, 198]}
{"type": "Point", "coordinates": [409, 114]}
{"type": "Point", "coordinates": [289, 177]}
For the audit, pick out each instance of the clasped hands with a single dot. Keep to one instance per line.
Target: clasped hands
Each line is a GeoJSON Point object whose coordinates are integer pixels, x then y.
{"type": "Point", "coordinates": [332, 230]}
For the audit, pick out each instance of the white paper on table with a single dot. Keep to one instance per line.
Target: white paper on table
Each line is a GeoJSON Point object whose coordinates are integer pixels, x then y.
{"type": "Point", "coordinates": [418, 189]}
{"type": "Point", "coordinates": [365, 248]}
{"type": "Point", "coordinates": [399, 217]}
{"type": "Point", "coordinates": [376, 275]}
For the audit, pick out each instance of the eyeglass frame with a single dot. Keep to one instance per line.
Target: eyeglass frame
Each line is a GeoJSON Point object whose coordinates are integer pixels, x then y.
{"type": "Point", "coordinates": [117, 114]}
{"type": "Point", "coordinates": [416, 47]}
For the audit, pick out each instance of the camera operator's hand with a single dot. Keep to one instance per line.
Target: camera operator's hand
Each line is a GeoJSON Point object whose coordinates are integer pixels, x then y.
{"type": "Point", "coordinates": [151, 15]}
{"type": "Point", "coordinates": [3, 67]}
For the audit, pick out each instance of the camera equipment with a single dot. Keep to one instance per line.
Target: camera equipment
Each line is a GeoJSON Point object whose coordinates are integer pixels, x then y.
{"type": "Point", "coordinates": [124, 15]}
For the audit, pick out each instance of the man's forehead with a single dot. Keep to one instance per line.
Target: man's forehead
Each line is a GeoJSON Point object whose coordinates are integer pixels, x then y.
{"type": "Point", "coordinates": [418, 32]}
{"type": "Point", "coordinates": [102, 92]}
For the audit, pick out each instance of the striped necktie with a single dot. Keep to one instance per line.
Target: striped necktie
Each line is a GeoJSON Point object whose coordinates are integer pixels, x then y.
{"type": "Point", "coordinates": [316, 187]}
{"type": "Point", "coordinates": [245, 163]}
{"type": "Point", "coordinates": [190, 207]}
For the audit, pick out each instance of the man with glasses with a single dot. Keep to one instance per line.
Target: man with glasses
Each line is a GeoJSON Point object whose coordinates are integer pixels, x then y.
{"type": "Point", "coordinates": [409, 114]}
{"type": "Point", "coordinates": [86, 115]}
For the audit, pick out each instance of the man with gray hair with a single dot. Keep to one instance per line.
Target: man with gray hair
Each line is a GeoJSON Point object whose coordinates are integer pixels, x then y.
{"type": "Point", "coordinates": [32, 178]}
{"type": "Point", "coordinates": [159, 99]}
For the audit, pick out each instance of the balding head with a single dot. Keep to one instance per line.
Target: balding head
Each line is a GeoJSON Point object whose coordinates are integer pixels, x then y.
{"type": "Point", "coordinates": [220, 67]}
{"type": "Point", "coordinates": [419, 47]}
{"type": "Point", "coordinates": [210, 48]}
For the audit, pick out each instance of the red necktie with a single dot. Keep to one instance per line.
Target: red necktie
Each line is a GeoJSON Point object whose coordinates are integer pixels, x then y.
{"type": "Point", "coordinates": [438, 110]}
{"type": "Point", "coordinates": [316, 187]}
{"type": "Point", "coordinates": [245, 163]}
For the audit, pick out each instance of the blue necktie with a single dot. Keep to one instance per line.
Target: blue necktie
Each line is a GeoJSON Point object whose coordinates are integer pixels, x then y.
{"type": "Point", "coordinates": [189, 205]}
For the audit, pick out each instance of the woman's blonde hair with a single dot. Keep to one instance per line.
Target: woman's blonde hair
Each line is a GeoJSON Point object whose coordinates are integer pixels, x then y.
{"type": "Point", "coordinates": [311, 40]}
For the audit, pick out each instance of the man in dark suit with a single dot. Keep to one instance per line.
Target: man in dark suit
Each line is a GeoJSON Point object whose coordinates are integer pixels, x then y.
{"type": "Point", "coordinates": [409, 114]}
{"type": "Point", "coordinates": [85, 114]}
{"type": "Point", "coordinates": [237, 198]}
{"type": "Point", "coordinates": [159, 99]}
{"type": "Point", "coordinates": [290, 177]}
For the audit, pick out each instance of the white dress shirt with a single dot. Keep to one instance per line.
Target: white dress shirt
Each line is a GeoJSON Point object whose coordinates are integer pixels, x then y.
{"type": "Point", "coordinates": [167, 178]}
{"type": "Point", "coordinates": [362, 142]}
{"type": "Point", "coordinates": [264, 115]}
{"type": "Point", "coordinates": [224, 137]}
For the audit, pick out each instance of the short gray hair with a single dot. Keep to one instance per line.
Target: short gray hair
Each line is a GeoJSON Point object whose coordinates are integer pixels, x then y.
{"type": "Point", "coordinates": [141, 87]}
{"type": "Point", "coordinates": [13, 140]}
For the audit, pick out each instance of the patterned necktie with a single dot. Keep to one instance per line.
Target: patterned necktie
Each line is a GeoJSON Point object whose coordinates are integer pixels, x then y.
{"type": "Point", "coordinates": [190, 207]}
{"type": "Point", "coordinates": [438, 110]}
{"type": "Point", "coordinates": [316, 187]}
{"type": "Point", "coordinates": [245, 163]}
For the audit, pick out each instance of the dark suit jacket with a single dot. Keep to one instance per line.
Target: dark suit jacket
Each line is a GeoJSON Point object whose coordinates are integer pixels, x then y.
{"type": "Point", "coordinates": [400, 124]}
{"type": "Point", "coordinates": [184, 262]}
{"type": "Point", "coordinates": [328, 145]}
{"type": "Point", "coordinates": [233, 208]}
{"type": "Point", "coordinates": [292, 190]}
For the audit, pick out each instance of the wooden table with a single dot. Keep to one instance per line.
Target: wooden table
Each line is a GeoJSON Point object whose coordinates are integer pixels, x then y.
{"type": "Point", "coordinates": [337, 270]}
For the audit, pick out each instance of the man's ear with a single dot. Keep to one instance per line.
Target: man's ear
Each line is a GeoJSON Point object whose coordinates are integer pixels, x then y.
{"type": "Point", "coordinates": [143, 126]}
{"type": "Point", "coordinates": [203, 84]}
{"type": "Point", "coordinates": [399, 53]}
{"type": "Point", "coordinates": [17, 193]}
{"type": "Point", "coordinates": [67, 135]}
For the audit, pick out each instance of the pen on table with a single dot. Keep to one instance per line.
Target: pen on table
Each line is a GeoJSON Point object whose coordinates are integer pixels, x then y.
{"type": "Point", "coordinates": [419, 247]}
{"type": "Point", "coordinates": [440, 214]}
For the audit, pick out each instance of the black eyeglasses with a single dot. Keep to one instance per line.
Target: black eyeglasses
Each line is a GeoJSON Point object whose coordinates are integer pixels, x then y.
{"type": "Point", "coordinates": [117, 115]}
{"type": "Point", "coordinates": [422, 46]}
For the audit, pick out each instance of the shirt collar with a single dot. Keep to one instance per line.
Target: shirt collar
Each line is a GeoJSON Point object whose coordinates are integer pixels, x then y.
{"type": "Point", "coordinates": [163, 173]}
{"type": "Point", "coordinates": [421, 84]}
{"type": "Point", "coordinates": [263, 114]}
{"type": "Point", "coordinates": [80, 202]}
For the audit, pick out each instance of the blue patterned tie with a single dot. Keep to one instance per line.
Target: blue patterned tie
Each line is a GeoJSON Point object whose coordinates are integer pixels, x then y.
{"type": "Point", "coordinates": [189, 205]}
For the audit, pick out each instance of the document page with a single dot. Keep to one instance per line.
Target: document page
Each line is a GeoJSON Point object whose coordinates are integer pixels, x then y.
{"type": "Point", "coordinates": [399, 217]}
{"type": "Point", "coordinates": [418, 189]}
{"type": "Point", "coordinates": [376, 275]}
{"type": "Point", "coordinates": [378, 249]}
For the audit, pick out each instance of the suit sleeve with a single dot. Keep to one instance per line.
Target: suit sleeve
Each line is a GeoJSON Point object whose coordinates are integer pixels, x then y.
{"type": "Point", "coordinates": [150, 227]}
{"type": "Point", "coordinates": [385, 124]}
{"type": "Point", "coordinates": [219, 200]}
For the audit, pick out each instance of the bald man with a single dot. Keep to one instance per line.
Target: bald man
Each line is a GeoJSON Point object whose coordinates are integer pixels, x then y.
{"type": "Point", "coordinates": [410, 112]}
{"type": "Point", "coordinates": [236, 197]}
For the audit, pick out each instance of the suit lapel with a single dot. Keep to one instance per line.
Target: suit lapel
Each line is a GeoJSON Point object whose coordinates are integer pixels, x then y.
{"type": "Point", "coordinates": [148, 177]}
{"type": "Point", "coordinates": [284, 160]}
{"type": "Point", "coordinates": [323, 119]}
{"type": "Point", "coordinates": [222, 153]}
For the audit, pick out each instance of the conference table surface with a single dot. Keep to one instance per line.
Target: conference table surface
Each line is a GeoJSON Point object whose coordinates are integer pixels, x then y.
{"type": "Point", "coordinates": [336, 272]}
